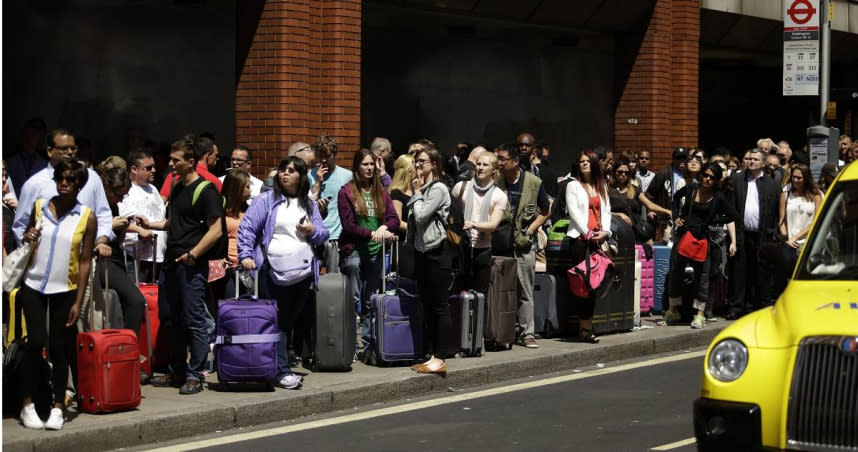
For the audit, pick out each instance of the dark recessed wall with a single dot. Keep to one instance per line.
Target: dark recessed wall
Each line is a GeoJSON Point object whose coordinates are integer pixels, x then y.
{"type": "Point", "coordinates": [488, 89]}
{"type": "Point", "coordinates": [100, 67]}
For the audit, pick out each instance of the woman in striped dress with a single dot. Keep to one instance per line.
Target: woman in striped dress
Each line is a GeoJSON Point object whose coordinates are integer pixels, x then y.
{"type": "Point", "coordinates": [59, 266]}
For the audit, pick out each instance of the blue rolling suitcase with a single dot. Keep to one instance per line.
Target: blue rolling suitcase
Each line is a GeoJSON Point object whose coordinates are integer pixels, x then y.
{"type": "Point", "coordinates": [396, 327]}
{"type": "Point", "coordinates": [662, 268]}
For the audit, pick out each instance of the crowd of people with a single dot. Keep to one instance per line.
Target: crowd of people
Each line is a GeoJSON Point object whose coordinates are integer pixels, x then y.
{"type": "Point", "coordinates": [310, 215]}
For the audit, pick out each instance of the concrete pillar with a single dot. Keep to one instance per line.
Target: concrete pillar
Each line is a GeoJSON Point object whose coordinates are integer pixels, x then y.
{"type": "Point", "coordinates": [301, 78]}
{"type": "Point", "coordinates": [662, 91]}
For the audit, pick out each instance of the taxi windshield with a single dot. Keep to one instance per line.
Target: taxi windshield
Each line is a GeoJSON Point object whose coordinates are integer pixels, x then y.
{"type": "Point", "coordinates": [832, 250]}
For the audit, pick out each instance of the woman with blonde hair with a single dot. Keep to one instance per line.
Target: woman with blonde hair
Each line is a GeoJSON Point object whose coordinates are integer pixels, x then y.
{"type": "Point", "coordinates": [400, 189]}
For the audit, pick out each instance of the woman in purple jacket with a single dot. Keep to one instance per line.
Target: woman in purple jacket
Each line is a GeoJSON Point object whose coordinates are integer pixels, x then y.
{"type": "Point", "coordinates": [277, 235]}
{"type": "Point", "coordinates": [368, 218]}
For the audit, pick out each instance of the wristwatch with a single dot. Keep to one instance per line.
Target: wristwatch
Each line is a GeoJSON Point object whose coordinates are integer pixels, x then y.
{"type": "Point", "coordinates": [193, 258]}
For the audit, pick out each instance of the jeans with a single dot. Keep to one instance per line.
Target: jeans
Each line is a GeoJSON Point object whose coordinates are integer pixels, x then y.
{"type": "Point", "coordinates": [183, 294]}
{"type": "Point", "coordinates": [364, 274]}
{"type": "Point", "coordinates": [290, 303]}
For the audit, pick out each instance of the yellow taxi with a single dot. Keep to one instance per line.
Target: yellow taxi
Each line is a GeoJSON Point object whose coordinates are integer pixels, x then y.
{"type": "Point", "coordinates": [786, 376]}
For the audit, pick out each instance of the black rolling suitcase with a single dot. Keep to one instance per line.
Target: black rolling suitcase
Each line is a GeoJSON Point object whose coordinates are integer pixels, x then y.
{"type": "Point", "coordinates": [615, 297]}
{"type": "Point", "coordinates": [334, 332]}
{"type": "Point", "coordinates": [468, 311]}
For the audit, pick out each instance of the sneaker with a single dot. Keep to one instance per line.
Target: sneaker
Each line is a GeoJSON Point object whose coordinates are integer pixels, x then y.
{"type": "Point", "coordinates": [55, 422]}
{"type": "Point", "coordinates": [699, 322]}
{"type": "Point", "coordinates": [672, 316]}
{"type": "Point", "coordinates": [191, 387]}
{"type": "Point", "coordinates": [530, 342]}
{"type": "Point", "coordinates": [30, 418]}
{"type": "Point", "coordinates": [289, 381]}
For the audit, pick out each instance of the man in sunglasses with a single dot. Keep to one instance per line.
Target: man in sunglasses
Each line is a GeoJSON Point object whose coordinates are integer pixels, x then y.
{"type": "Point", "coordinates": [41, 185]}
{"type": "Point", "coordinates": [661, 191]}
{"type": "Point", "coordinates": [143, 201]}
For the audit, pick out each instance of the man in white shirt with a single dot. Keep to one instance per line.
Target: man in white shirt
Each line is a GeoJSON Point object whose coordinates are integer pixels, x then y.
{"type": "Point", "coordinates": [143, 200]}
{"type": "Point", "coordinates": [241, 158]}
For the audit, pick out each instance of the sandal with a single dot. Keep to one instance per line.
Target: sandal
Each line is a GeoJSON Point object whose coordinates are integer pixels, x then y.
{"type": "Point", "coordinates": [587, 336]}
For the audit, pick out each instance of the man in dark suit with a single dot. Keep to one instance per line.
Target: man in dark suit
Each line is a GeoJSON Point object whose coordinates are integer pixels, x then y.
{"type": "Point", "coordinates": [756, 199]}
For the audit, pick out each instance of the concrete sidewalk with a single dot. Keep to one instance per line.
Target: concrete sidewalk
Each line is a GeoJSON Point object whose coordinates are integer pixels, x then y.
{"type": "Point", "coordinates": [165, 415]}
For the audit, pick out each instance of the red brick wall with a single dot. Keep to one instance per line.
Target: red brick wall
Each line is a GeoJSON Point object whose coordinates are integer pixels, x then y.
{"type": "Point", "coordinates": [301, 78]}
{"type": "Point", "coordinates": [662, 90]}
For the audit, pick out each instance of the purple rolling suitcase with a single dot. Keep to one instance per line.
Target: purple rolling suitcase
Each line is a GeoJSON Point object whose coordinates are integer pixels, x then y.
{"type": "Point", "coordinates": [247, 338]}
{"type": "Point", "coordinates": [397, 322]}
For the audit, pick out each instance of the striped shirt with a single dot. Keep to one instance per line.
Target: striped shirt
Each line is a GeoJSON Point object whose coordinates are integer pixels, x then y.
{"type": "Point", "coordinates": [55, 265]}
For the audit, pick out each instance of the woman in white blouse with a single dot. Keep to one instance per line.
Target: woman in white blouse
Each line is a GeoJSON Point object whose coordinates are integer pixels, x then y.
{"type": "Point", "coordinates": [589, 224]}
{"type": "Point", "coordinates": [797, 209]}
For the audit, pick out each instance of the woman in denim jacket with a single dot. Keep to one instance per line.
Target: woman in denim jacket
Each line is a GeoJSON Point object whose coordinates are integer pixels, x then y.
{"type": "Point", "coordinates": [277, 235]}
{"type": "Point", "coordinates": [433, 258]}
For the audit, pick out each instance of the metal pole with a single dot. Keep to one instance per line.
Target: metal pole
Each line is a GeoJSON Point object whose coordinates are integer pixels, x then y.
{"type": "Point", "coordinates": [825, 37]}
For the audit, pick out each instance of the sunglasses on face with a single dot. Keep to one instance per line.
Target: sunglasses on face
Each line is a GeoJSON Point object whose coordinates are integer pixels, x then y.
{"type": "Point", "coordinates": [67, 178]}
{"type": "Point", "coordinates": [622, 173]}
{"type": "Point", "coordinates": [708, 176]}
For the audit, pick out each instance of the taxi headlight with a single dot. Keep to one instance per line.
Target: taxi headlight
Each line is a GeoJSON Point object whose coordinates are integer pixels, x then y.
{"type": "Point", "coordinates": [727, 360]}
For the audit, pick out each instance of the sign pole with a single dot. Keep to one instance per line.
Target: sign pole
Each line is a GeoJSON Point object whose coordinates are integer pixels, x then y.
{"type": "Point", "coordinates": [825, 37]}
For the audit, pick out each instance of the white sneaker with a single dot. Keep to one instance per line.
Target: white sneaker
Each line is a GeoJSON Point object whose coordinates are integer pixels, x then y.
{"type": "Point", "coordinates": [30, 418]}
{"type": "Point", "coordinates": [55, 422]}
{"type": "Point", "coordinates": [290, 381]}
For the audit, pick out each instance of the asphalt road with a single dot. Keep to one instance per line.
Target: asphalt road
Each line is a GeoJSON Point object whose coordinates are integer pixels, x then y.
{"type": "Point", "coordinates": [635, 409]}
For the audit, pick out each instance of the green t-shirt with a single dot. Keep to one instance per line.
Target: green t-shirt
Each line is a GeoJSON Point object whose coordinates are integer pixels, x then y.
{"type": "Point", "coordinates": [371, 222]}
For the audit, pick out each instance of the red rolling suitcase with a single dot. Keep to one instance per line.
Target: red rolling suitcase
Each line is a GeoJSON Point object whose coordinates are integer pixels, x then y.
{"type": "Point", "coordinates": [108, 366]}
{"type": "Point", "coordinates": [153, 348]}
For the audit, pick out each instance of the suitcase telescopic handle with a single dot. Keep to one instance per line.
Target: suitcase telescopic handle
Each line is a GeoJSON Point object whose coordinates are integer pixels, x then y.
{"type": "Point", "coordinates": [255, 281]}
{"type": "Point", "coordinates": [394, 263]}
{"type": "Point", "coordinates": [154, 258]}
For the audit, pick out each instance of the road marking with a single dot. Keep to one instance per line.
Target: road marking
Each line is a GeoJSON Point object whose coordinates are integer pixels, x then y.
{"type": "Point", "coordinates": [680, 443]}
{"type": "Point", "coordinates": [424, 404]}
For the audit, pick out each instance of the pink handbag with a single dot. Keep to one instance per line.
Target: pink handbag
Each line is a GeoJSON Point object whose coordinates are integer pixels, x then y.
{"type": "Point", "coordinates": [588, 275]}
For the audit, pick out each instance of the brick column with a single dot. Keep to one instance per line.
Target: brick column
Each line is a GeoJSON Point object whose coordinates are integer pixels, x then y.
{"type": "Point", "coordinates": [662, 90]}
{"type": "Point", "coordinates": [301, 78]}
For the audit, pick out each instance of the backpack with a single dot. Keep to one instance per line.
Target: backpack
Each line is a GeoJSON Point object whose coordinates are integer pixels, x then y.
{"type": "Point", "coordinates": [220, 248]}
{"type": "Point", "coordinates": [458, 240]}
